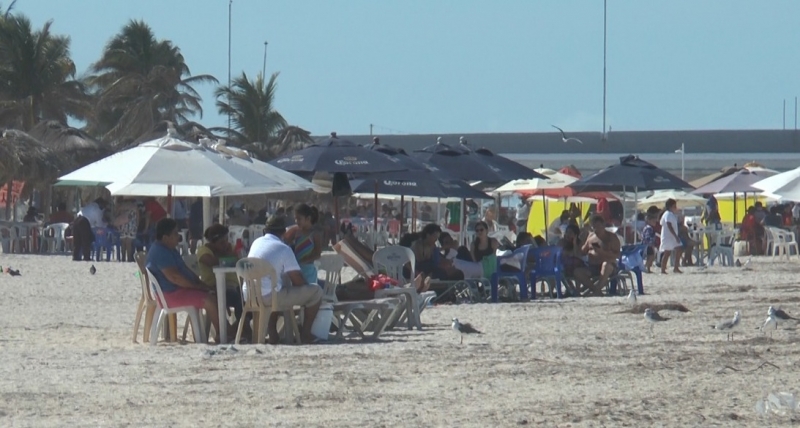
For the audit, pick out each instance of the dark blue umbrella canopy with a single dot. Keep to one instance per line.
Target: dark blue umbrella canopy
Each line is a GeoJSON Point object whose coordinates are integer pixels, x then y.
{"type": "Point", "coordinates": [631, 173]}
{"type": "Point", "coordinates": [337, 155]}
{"type": "Point", "coordinates": [422, 179]}
{"type": "Point", "coordinates": [457, 164]}
{"type": "Point", "coordinates": [504, 167]}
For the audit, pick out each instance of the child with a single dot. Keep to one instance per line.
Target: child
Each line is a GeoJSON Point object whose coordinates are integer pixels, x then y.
{"type": "Point", "coordinates": [649, 239]}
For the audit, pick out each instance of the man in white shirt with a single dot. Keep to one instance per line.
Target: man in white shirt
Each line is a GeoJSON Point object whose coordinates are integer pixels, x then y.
{"type": "Point", "coordinates": [670, 238]}
{"type": "Point", "coordinates": [523, 211]}
{"type": "Point", "coordinates": [291, 288]}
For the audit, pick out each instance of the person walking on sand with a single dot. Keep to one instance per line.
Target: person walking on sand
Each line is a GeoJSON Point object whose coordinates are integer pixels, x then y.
{"type": "Point", "coordinates": [670, 239]}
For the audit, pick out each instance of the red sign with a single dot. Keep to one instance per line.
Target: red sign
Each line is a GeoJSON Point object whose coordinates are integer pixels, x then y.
{"type": "Point", "coordinates": [16, 190]}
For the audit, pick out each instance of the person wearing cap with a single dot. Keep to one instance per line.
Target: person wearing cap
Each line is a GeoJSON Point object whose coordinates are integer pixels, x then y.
{"type": "Point", "coordinates": [292, 288]}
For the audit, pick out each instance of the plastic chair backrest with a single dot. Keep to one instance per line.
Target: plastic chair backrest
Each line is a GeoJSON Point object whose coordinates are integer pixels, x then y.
{"type": "Point", "coordinates": [520, 256]}
{"type": "Point", "coordinates": [332, 264]}
{"type": "Point", "coordinates": [548, 260]}
{"type": "Point", "coordinates": [157, 287]}
{"type": "Point", "coordinates": [141, 260]}
{"type": "Point", "coordinates": [235, 232]}
{"type": "Point", "coordinates": [392, 259]}
{"type": "Point", "coordinates": [256, 231]}
{"type": "Point", "coordinates": [191, 262]}
{"type": "Point", "coordinates": [251, 270]}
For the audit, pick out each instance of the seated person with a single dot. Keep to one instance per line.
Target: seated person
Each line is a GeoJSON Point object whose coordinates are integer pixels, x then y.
{"type": "Point", "coordinates": [483, 245]}
{"type": "Point", "coordinates": [291, 287]}
{"type": "Point", "coordinates": [180, 286]}
{"type": "Point", "coordinates": [556, 229]}
{"type": "Point", "coordinates": [525, 238]}
{"type": "Point", "coordinates": [216, 247]}
{"type": "Point", "coordinates": [603, 249]}
{"type": "Point", "coordinates": [572, 256]}
{"type": "Point", "coordinates": [460, 257]}
{"type": "Point", "coordinates": [429, 261]}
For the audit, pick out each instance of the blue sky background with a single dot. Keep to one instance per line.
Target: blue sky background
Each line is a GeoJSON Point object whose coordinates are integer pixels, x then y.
{"type": "Point", "coordinates": [461, 66]}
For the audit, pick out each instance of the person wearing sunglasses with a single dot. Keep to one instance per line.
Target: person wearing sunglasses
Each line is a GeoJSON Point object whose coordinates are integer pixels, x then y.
{"type": "Point", "coordinates": [483, 245]}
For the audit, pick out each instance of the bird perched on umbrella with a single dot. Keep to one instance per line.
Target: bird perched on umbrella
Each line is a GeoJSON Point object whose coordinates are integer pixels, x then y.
{"type": "Point", "coordinates": [92, 270]}
{"type": "Point", "coordinates": [564, 138]}
{"type": "Point", "coordinates": [464, 328]}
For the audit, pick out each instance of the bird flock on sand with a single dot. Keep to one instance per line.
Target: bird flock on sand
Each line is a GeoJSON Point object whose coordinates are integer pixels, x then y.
{"type": "Point", "coordinates": [775, 316]}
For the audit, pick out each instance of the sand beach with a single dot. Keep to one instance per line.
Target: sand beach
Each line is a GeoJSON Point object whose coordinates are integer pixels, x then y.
{"type": "Point", "coordinates": [68, 360]}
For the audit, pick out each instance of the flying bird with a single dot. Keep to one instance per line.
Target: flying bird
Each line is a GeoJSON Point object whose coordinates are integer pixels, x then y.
{"type": "Point", "coordinates": [92, 270]}
{"type": "Point", "coordinates": [464, 328]}
{"type": "Point", "coordinates": [729, 325]}
{"type": "Point", "coordinates": [632, 297]}
{"type": "Point", "coordinates": [564, 138]}
{"type": "Point", "coordinates": [653, 317]}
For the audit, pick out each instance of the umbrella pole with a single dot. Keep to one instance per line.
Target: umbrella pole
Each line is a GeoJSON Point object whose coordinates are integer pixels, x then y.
{"type": "Point", "coordinates": [413, 216]}
{"type": "Point", "coordinates": [636, 218]}
{"type": "Point", "coordinates": [402, 213]}
{"type": "Point", "coordinates": [375, 219]}
{"type": "Point", "coordinates": [336, 216]}
{"type": "Point", "coordinates": [439, 210]}
{"type": "Point", "coordinates": [734, 209]}
{"type": "Point", "coordinates": [462, 224]}
{"type": "Point", "coordinates": [169, 200]}
{"type": "Point", "coordinates": [208, 220]}
{"type": "Point", "coordinates": [546, 223]}
{"type": "Point", "coordinates": [221, 210]}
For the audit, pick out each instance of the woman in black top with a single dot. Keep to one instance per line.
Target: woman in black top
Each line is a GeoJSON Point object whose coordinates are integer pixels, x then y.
{"type": "Point", "coordinates": [483, 245]}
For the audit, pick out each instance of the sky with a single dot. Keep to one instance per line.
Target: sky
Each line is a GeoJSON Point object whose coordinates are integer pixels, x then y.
{"type": "Point", "coordinates": [469, 66]}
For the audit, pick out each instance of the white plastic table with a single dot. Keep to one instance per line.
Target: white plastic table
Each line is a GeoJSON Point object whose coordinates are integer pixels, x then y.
{"type": "Point", "coordinates": [222, 304]}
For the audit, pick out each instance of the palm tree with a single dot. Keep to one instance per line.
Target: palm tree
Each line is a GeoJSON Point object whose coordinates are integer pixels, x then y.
{"type": "Point", "coordinates": [37, 76]}
{"type": "Point", "coordinates": [141, 81]}
{"type": "Point", "coordinates": [256, 125]}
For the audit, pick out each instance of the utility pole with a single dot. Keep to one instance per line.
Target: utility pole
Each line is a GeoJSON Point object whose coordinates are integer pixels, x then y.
{"type": "Point", "coordinates": [604, 68]}
{"type": "Point", "coordinates": [264, 68]}
{"type": "Point", "coordinates": [370, 129]}
{"type": "Point", "coordinates": [230, 9]}
{"type": "Point", "coordinates": [784, 114]}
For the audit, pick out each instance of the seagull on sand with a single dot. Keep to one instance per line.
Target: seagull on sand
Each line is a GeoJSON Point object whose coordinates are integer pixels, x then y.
{"type": "Point", "coordinates": [564, 138]}
{"type": "Point", "coordinates": [464, 328]}
{"type": "Point", "coordinates": [632, 297]}
{"type": "Point", "coordinates": [653, 317]}
{"type": "Point", "coordinates": [729, 325]}
{"type": "Point", "coordinates": [92, 270]}
{"type": "Point", "coordinates": [779, 315]}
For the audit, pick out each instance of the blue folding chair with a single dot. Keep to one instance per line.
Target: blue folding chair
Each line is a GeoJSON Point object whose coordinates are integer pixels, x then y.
{"type": "Point", "coordinates": [104, 238]}
{"type": "Point", "coordinates": [629, 252]}
{"type": "Point", "coordinates": [548, 265]}
{"type": "Point", "coordinates": [521, 254]}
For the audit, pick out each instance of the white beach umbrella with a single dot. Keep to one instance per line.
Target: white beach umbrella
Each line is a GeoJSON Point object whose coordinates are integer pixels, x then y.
{"type": "Point", "coordinates": [785, 185]}
{"type": "Point", "coordinates": [171, 167]}
{"type": "Point", "coordinates": [660, 197]}
{"type": "Point", "coordinates": [191, 170]}
{"type": "Point", "coordinates": [555, 180]}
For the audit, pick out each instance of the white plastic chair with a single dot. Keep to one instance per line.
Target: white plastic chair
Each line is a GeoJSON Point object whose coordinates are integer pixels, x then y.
{"type": "Point", "coordinates": [332, 264]}
{"type": "Point", "coordinates": [163, 311]}
{"type": "Point", "coordinates": [235, 233]}
{"type": "Point", "coordinates": [255, 231]}
{"type": "Point", "coordinates": [147, 303]}
{"type": "Point", "coordinates": [184, 244]}
{"type": "Point", "coordinates": [192, 262]}
{"type": "Point", "coordinates": [57, 242]}
{"type": "Point", "coordinates": [391, 260]}
{"type": "Point", "coordinates": [771, 241]}
{"type": "Point", "coordinates": [784, 242]}
{"type": "Point", "coordinates": [8, 238]}
{"type": "Point", "coordinates": [251, 271]}
{"type": "Point", "coordinates": [723, 248]}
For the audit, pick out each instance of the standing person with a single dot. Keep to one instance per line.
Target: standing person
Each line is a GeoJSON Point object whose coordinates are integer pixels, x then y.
{"type": "Point", "coordinates": [195, 224]}
{"type": "Point", "coordinates": [291, 287]}
{"type": "Point", "coordinates": [126, 221]}
{"type": "Point", "coordinates": [711, 211]}
{"type": "Point", "coordinates": [670, 238]}
{"type": "Point", "coordinates": [305, 239]}
{"type": "Point", "coordinates": [523, 212]}
{"type": "Point", "coordinates": [180, 213]}
{"type": "Point", "coordinates": [649, 240]}
{"type": "Point", "coordinates": [454, 216]}
{"type": "Point", "coordinates": [153, 213]}
{"type": "Point", "coordinates": [89, 216]}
